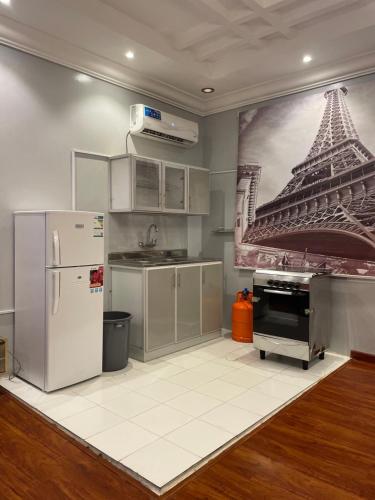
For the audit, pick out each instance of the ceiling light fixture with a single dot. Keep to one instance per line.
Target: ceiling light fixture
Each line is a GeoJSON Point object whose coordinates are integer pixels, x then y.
{"type": "Point", "coordinates": [5, 2]}
{"type": "Point", "coordinates": [306, 59]}
{"type": "Point", "coordinates": [82, 78]}
{"type": "Point", "coordinates": [129, 54]}
{"type": "Point", "coordinates": [207, 90]}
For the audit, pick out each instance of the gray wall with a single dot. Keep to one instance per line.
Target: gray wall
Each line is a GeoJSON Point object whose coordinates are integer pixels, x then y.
{"type": "Point", "coordinates": [45, 113]}
{"type": "Point", "coordinates": [220, 155]}
{"type": "Point", "coordinates": [353, 304]}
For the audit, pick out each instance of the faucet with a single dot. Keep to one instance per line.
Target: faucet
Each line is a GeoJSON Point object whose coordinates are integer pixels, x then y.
{"type": "Point", "coordinates": [150, 242]}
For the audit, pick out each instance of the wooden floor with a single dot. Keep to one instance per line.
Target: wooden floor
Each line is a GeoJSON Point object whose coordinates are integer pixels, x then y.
{"type": "Point", "coordinates": [321, 446]}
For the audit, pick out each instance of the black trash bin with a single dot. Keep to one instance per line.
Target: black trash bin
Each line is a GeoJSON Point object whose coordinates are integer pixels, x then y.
{"type": "Point", "coordinates": [116, 336]}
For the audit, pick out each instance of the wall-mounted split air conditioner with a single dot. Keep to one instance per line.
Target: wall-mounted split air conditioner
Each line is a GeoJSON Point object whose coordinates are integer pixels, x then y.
{"type": "Point", "coordinates": [154, 124]}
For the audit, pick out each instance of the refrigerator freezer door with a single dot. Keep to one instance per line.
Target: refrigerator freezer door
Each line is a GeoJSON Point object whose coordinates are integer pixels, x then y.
{"type": "Point", "coordinates": [74, 325]}
{"type": "Point", "coordinates": [74, 239]}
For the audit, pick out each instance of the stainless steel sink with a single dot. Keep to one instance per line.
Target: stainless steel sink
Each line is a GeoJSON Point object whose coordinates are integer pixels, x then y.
{"type": "Point", "coordinates": [152, 258]}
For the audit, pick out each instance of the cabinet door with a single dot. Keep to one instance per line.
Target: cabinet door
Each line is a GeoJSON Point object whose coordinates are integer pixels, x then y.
{"type": "Point", "coordinates": [160, 321]}
{"type": "Point", "coordinates": [212, 297]}
{"type": "Point", "coordinates": [199, 192]}
{"type": "Point", "coordinates": [146, 184]}
{"type": "Point", "coordinates": [188, 303]}
{"type": "Point", "coordinates": [174, 188]}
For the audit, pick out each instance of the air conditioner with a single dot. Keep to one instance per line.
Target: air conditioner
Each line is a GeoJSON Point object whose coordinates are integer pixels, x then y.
{"type": "Point", "coordinates": [154, 124]}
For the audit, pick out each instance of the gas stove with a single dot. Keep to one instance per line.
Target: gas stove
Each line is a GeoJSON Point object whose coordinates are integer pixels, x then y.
{"type": "Point", "coordinates": [292, 313]}
{"type": "Point", "coordinates": [288, 280]}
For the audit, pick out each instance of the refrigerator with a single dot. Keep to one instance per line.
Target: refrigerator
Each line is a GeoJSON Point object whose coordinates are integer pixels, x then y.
{"type": "Point", "coordinates": [58, 337]}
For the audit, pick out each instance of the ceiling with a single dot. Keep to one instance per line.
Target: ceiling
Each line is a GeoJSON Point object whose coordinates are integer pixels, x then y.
{"type": "Point", "coordinates": [247, 50]}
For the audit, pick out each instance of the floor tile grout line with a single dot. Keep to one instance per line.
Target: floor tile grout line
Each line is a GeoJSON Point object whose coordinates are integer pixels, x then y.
{"type": "Point", "coordinates": [94, 404]}
{"type": "Point", "coordinates": [192, 468]}
{"type": "Point", "coordinates": [140, 448]}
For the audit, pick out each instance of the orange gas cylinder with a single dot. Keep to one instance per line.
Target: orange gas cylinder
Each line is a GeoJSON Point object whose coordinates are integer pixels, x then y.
{"type": "Point", "coordinates": [242, 317]}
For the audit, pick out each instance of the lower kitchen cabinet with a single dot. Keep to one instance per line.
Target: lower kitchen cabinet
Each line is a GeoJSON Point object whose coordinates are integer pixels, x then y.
{"type": "Point", "coordinates": [188, 303]}
{"type": "Point", "coordinates": [160, 307]}
{"type": "Point", "coordinates": [172, 307]}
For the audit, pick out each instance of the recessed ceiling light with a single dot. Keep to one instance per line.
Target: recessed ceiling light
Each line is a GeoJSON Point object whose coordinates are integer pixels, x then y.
{"type": "Point", "coordinates": [5, 2]}
{"type": "Point", "coordinates": [207, 90]}
{"type": "Point", "coordinates": [306, 58]}
{"type": "Point", "coordinates": [129, 54]}
{"type": "Point", "coordinates": [82, 78]}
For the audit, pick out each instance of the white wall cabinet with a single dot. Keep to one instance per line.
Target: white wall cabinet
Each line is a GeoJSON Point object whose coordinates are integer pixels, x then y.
{"type": "Point", "coordinates": [139, 184]}
{"type": "Point", "coordinates": [171, 306]}
{"type": "Point", "coordinates": [146, 184]}
{"type": "Point", "coordinates": [174, 188]}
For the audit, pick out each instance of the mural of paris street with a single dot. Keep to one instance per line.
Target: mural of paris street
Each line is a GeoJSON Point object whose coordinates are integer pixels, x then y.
{"type": "Point", "coordinates": [318, 212]}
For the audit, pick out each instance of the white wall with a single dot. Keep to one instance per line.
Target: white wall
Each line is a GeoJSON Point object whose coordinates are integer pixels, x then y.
{"type": "Point", "coordinates": [353, 304]}
{"type": "Point", "coordinates": [45, 113]}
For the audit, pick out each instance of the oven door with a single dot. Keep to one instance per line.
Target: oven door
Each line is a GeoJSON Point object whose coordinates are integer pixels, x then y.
{"type": "Point", "coordinates": [281, 313]}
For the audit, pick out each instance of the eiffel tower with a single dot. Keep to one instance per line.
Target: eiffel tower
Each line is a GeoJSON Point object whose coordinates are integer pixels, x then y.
{"type": "Point", "coordinates": [329, 204]}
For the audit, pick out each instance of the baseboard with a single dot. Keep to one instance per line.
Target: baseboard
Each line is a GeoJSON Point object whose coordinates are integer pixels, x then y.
{"type": "Point", "coordinates": [362, 356]}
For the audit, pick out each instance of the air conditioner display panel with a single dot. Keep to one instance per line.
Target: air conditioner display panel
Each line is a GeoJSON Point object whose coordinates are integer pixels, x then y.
{"type": "Point", "coordinates": [152, 113]}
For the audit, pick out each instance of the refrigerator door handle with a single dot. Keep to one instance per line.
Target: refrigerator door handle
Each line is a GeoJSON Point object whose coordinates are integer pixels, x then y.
{"type": "Point", "coordinates": [56, 291]}
{"type": "Point", "coordinates": [56, 248]}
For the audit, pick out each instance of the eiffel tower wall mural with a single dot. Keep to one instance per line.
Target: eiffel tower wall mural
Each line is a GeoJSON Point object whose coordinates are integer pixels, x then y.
{"type": "Point", "coordinates": [306, 182]}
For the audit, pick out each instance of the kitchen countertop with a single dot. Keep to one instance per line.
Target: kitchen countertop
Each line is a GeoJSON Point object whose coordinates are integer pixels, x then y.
{"type": "Point", "coordinates": [155, 258]}
{"type": "Point", "coordinates": [150, 264]}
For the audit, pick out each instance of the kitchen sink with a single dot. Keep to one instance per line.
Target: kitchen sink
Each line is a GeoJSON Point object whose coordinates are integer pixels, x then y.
{"type": "Point", "coordinates": [152, 258]}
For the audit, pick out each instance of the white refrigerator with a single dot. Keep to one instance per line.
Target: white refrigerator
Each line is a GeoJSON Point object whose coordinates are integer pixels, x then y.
{"type": "Point", "coordinates": [59, 256]}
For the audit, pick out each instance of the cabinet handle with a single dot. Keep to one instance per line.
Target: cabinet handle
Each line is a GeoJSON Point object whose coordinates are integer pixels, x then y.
{"type": "Point", "coordinates": [178, 279]}
{"type": "Point", "coordinates": [173, 281]}
{"type": "Point", "coordinates": [56, 291]}
{"type": "Point", "coordinates": [203, 276]}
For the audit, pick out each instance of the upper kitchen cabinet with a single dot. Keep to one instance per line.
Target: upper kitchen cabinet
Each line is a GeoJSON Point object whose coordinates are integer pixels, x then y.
{"type": "Point", "coordinates": [140, 184]}
{"type": "Point", "coordinates": [135, 184]}
{"type": "Point", "coordinates": [199, 191]}
{"type": "Point", "coordinates": [175, 188]}
{"type": "Point", "coordinates": [146, 184]}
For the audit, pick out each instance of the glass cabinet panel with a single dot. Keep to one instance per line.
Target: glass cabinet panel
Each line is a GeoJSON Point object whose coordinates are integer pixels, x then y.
{"type": "Point", "coordinates": [174, 188]}
{"type": "Point", "coordinates": [146, 189]}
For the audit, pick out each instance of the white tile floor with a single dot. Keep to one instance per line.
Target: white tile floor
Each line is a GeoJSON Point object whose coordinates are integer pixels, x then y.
{"type": "Point", "coordinates": [164, 419]}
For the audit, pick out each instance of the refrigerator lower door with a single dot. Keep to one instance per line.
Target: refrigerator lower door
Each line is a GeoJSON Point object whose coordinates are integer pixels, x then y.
{"type": "Point", "coordinates": [74, 238]}
{"type": "Point", "coordinates": [74, 325]}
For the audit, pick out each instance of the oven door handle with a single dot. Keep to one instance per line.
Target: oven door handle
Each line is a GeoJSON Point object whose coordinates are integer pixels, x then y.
{"type": "Point", "coordinates": [278, 292]}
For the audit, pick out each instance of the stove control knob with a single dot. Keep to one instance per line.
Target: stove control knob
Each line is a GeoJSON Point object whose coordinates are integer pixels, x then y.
{"type": "Point", "coordinates": [270, 282]}
{"type": "Point", "coordinates": [276, 283]}
{"type": "Point", "coordinates": [284, 284]}
{"type": "Point", "coordinates": [291, 284]}
{"type": "Point", "coordinates": [297, 285]}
